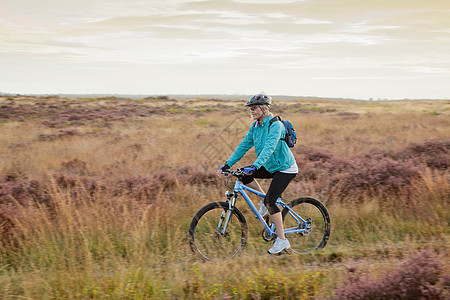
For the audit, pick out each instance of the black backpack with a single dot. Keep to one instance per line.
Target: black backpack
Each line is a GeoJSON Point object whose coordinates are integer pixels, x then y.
{"type": "Point", "coordinates": [291, 136]}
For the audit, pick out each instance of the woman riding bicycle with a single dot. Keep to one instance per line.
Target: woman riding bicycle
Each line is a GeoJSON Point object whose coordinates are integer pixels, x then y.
{"type": "Point", "coordinates": [274, 160]}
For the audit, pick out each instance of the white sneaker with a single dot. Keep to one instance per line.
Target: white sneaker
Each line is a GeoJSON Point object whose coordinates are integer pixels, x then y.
{"type": "Point", "coordinates": [263, 209]}
{"type": "Point", "coordinates": [279, 246]}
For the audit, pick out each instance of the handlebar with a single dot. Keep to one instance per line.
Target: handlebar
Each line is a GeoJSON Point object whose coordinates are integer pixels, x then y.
{"type": "Point", "coordinates": [238, 173]}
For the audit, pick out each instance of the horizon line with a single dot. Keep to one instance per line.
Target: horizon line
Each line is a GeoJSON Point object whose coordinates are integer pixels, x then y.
{"type": "Point", "coordinates": [188, 95]}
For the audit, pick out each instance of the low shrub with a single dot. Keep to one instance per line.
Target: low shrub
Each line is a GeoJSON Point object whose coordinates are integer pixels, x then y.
{"type": "Point", "coordinates": [75, 166]}
{"type": "Point", "coordinates": [374, 173]}
{"type": "Point", "coordinates": [433, 153]}
{"type": "Point", "coordinates": [55, 136]}
{"type": "Point", "coordinates": [420, 276]}
{"type": "Point", "coordinates": [384, 176]}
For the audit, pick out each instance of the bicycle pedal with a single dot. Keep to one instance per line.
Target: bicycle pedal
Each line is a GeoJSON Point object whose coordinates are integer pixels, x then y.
{"type": "Point", "coordinates": [285, 251]}
{"type": "Point", "coordinates": [275, 254]}
{"type": "Point", "coordinates": [288, 251]}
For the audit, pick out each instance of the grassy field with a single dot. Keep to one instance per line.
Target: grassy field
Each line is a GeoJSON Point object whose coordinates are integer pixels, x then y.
{"type": "Point", "coordinates": [96, 196]}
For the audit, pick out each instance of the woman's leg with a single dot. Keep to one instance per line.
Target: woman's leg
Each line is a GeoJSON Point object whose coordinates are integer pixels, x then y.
{"type": "Point", "coordinates": [255, 185]}
{"type": "Point", "coordinates": [277, 186]}
{"type": "Point", "coordinates": [249, 180]}
{"type": "Point", "coordinates": [278, 221]}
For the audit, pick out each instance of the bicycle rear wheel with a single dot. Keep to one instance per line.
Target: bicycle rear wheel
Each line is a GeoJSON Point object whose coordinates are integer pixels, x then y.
{"type": "Point", "coordinates": [318, 227]}
{"type": "Point", "coordinates": [207, 236]}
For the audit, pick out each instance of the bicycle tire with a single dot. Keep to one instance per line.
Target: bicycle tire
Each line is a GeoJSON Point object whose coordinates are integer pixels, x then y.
{"type": "Point", "coordinates": [207, 242]}
{"type": "Point", "coordinates": [315, 212]}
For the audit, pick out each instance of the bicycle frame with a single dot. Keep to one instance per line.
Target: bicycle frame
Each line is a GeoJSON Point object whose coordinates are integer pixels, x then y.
{"type": "Point", "coordinates": [240, 188]}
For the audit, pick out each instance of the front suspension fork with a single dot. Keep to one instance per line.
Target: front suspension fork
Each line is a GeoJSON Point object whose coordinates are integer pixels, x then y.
{"type": "Point", "coordinates": [226, 215]}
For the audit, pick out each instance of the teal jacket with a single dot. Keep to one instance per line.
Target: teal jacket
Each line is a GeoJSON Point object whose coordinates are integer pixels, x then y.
{"type": "Point", "coordinates": [272, 153]}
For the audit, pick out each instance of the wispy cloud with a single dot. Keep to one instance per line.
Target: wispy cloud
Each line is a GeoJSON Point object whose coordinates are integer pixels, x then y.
{"type": "Point", "coordinates": [431, 70]}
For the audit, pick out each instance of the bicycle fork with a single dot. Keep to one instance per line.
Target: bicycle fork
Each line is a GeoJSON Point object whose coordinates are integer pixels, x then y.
{"type": "Point", "coordinates": [226, 215]}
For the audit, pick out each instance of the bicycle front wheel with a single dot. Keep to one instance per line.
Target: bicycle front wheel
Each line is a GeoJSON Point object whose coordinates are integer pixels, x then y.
{"type": "Point", "coordinates": [217, 233]}
{"type": "Point", "coordinates": [311, 218]}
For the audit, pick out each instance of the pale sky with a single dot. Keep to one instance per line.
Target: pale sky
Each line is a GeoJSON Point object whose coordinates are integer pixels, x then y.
{"type": "Point", "coordinates": [380, 49]}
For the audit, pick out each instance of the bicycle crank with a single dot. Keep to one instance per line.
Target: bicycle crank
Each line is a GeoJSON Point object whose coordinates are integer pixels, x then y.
{"type": "Point", "coordinates": [265, 234]}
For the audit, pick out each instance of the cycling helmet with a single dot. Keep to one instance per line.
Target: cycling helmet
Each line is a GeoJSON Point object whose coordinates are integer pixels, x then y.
{"type": "Point", "coordinates": [259, 99]}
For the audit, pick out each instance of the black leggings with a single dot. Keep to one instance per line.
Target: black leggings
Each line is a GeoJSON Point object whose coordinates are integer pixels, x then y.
{"type": "Point", "coordinates": [279, 183]}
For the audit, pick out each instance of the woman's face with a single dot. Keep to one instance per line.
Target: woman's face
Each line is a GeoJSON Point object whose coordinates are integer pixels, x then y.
{"type": "Point", "coordinates": [256, 112]}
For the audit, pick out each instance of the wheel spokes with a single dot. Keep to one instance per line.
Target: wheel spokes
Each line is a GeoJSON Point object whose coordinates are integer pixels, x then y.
{"type": "Point", "coordinates": [213, 242]}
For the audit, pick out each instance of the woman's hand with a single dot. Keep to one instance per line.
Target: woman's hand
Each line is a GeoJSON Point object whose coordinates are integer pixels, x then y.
{"type": "Point", "coordinates": [249, 170]}
{"type": "Point", "coordinates": [223, 168]}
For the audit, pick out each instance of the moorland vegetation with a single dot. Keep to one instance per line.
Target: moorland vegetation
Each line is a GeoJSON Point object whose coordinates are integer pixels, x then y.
{"type": "Point", "coordinates": [96, 196]}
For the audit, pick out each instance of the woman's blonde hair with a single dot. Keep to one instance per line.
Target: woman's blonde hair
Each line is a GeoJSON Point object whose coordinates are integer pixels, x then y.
{"type": "Point", "coordinates": [266, 109]}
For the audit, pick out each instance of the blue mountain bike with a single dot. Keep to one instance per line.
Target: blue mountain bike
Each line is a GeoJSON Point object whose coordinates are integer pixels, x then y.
{"type": "Point", "coordinates": [219, 229]}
